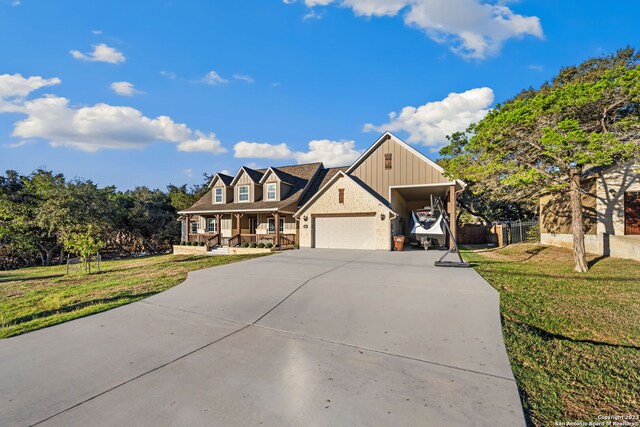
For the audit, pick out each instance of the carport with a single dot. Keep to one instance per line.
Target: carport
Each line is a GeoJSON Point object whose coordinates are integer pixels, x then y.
{"type": "Point", "coordinates": [406, 198]}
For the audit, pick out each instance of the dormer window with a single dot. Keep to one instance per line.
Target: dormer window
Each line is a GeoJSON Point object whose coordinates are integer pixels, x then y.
{"type": "Point", "coordinates": [271, 191]}
{"type": "Point", "coordinates": [243, 193]}
{"type": "Point", "coordinates": [218, 195]}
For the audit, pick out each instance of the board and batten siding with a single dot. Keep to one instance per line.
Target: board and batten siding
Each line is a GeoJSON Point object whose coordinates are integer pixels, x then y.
{"type": "Point", "coordinates": [406, 169]}
{"type": "Point", "coordinates": [255, 190]}
{"type": "Point", "coordinates": [226, 193]}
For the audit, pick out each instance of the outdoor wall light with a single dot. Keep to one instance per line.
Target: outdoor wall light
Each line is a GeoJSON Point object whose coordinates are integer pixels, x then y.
{"type": "Point", "coordinates": [305, 218]}
{"type": "Point", "coordinates": [382, 217]}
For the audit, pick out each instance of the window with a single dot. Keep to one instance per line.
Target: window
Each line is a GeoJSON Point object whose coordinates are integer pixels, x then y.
{"type": "Point", "coordinates": [387, 161]}
{"type": "Point", "coordinates": [243, 193]}
{"type": "Point", "coordinates": [271, 191]}
{"type": "Point", "coordinates": [632, 213]}
{"type": "Point", "coordinates": [218, 196]}
{"type": "Point", "coordinates": [341, 195]}
{"type": "Point", "coordinates": [194, 227]}
{"type": "Point", "coordinates": [212, 226]}
{"type": "Point", "coordinates": [271, 225]}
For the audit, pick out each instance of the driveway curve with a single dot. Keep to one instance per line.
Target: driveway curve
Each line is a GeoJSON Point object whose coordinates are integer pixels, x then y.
{"type": "Point", "coordinates": [307, 337]}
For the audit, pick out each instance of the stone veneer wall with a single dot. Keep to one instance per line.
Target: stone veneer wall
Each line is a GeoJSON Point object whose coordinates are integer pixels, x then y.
{"type": "Point", "coordinates": [356, 200]}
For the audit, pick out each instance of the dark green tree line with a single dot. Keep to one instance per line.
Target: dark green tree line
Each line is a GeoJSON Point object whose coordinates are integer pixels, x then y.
{"type": "Point", "coordinates": [43, 216]}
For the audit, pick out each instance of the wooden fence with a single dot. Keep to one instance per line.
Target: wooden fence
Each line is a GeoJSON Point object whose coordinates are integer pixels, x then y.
{"type": "Point", "coordinates": [500, 234]}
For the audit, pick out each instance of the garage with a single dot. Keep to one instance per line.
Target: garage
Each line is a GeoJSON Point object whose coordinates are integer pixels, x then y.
{"type": "Point", "coordinates": [345, 232]}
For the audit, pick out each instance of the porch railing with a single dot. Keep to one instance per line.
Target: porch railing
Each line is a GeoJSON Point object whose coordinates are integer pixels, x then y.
{"type": "Point", "coordinates": [208, 238]}
{"type": "Point", "coordinates": [286, 240]}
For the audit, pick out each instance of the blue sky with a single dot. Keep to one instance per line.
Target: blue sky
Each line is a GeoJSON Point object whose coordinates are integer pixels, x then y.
{"type": "Point", "coordinates": [158, 92]}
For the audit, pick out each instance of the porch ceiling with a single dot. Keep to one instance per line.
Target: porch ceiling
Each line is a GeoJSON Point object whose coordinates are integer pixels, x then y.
{"type": "Point", "coordinates": [422, 192]}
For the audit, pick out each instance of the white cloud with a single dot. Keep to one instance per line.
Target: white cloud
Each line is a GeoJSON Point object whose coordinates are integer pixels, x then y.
{"type": "Point", "coordinates": [16, 3]}
{"type": "Point", "coordinates": [188, 172]}
{"type": "Point", "coordinates": [213, 78]}
{"type": "Point", "coordinates": [244, 149]}
{"type": "Point", "coordinates": [96, 32]}
{"type": "Point", "coordinates": [14, 88]}
{"type": "Point", "coordinates": [91, 128]}
{"type": "Point", "coordinates": [101, 53]}
{"type": "Point", "coordinates": [331, 153]}
{"type": "Point", "coordinates": [168, 74]}
{"type": "Point", "coordinates": [472, 28]}
{"type": "Point", "coordinates": [203, 142]}
{"type": "Point", "coordinates": [124, 89]}
{"type": "Point", "coordinates": [244, 78]}
{"type": "Point", "coordinates": [429, 124]}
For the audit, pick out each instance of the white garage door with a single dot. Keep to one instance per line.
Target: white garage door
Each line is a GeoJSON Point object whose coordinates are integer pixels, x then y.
{"type": "Point", "coordinates": [345, 232]}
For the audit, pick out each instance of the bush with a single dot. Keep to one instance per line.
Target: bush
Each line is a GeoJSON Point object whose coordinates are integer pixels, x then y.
{"type": "Point", "coordinates": [268, 245]}
{"type": "Point", "coordinates": [253, 245]}
{"type": "Point", "coordinates": [261, 245]}
{"type": "Point", "coordinates": [183, 243]}
{"type": "Point", "coordinates": [190, 243]}
{"type": "Point", "coordinates": [245, 244]}
{"type": "Point", "coordinates": [201, 243]}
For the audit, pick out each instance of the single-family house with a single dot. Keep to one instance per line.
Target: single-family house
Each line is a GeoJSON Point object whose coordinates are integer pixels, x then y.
{"type": "Point", "coordinates": [358, 206]}
{"type": "Point", "coordinates": [611, 210]}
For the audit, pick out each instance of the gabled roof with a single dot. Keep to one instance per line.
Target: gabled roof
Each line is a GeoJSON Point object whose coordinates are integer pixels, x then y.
{"type": "Point", "coordinates": [253, 174]}
{"type": "Point", "coordinates": [226, 179]}
{"type": "Point", "coordinates": [324, 175]}
{"type": "Point", "coordinates": [383, 138]}
{"type": "Point", "coordinates": [388, 135]}
{"type": "Point", "coordinates": [282, 176]}
{"type": "Point", "coordinates": [337, 175]}
{"type": "Point", "coordinates": [300, 177]}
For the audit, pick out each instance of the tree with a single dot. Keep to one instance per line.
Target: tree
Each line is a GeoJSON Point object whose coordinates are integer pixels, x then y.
{"type": "Point", "coordinates": [544, 139]}
{"type": "Point", "coordinates": [84, 244]}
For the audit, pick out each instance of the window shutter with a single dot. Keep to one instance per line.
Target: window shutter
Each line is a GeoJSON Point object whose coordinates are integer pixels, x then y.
{"type": "Point", "coordinates": [387, 161]}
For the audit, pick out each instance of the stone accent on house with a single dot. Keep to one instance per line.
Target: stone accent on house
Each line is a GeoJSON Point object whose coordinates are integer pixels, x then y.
{"type": "Point", "coordinates": [356, 201]}
{"type": "Point", "coordinates": [249, 251]}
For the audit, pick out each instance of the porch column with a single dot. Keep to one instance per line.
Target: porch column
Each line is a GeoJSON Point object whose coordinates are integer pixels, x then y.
{"type": "Point", "coordinates": [188, 226]}
{"type": "Point", "coordinates": [452, 214]}
{"type": "Point", "coordinates": [238, 218]}
{"type": "Point", "coordinates": [219, 228]}
{"type": "Point", "coordinates": [277, 219]}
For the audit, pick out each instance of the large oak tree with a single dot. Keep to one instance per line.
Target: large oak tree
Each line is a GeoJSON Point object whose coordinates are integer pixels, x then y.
{"type": "Point", "coordinates": [543, 140]}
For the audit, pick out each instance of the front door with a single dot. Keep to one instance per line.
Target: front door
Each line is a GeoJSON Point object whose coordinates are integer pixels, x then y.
{"type": "Point", "coordinates": [253, 224]}
{"type": "Point", "coordinates": [632, 213]}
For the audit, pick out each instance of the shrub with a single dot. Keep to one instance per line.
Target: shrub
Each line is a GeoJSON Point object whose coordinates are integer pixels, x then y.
{"type": "Point", "coordinates": [201, 243]}
{"type": "Point", "coordinates": [253, 245]}
{"type": "Point", "coordinates": [245, 244]}
{"type": "Point", "coordinates": [183, 243]}
{"type": "Point", "coordinates": [268, 245]}
{"type": "Point", "coordinates": [261, 245]}
{"type": "Point", "coordinates": [190, 243]}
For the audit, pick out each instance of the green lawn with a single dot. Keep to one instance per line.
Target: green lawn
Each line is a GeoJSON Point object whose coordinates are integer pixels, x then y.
{"type": "Point", "coordinates": [573, 339]}
{"type": "Point", "coordinates": [33, 298]}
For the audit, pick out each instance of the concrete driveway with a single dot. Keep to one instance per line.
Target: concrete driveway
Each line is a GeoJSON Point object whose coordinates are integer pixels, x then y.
{"type": "Point", "coordinates": [302, 338]}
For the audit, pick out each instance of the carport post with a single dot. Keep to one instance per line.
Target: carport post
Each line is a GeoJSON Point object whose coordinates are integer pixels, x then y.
{"type": "Point", "coordinates": [452, 215]}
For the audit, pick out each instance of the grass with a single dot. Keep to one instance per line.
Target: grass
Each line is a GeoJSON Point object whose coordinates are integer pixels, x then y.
{"type": "Point", "coordinates": [33, 298]}
{"type": "Point", "coordinates": [573, 338]}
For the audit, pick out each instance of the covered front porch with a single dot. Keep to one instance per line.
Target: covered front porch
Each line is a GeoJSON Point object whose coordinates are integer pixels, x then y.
{"type": "Point", "coordinates": [274, 229]}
